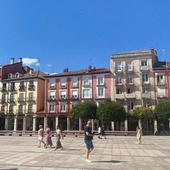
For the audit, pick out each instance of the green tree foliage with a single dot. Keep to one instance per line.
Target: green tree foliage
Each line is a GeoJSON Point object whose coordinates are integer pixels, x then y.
{"type": "Point", "coordinates": [85, 110]}
{"type": "Point", "coordinates": [162, 110]}
{"type": "Point", "coordinates": [142, 113]}
{"type": "Point", "coordinates": [111, 111]}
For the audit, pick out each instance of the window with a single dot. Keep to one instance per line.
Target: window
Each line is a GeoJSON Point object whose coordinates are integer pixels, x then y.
{"type": "Point", "coordinates": [144, 63]}
{"type": "Point", "coordinates": [145, 78]}
{"type": "Point", "coordinates": [52, 83]}
{"type": "Point", "coordinates": [100, 81]}
{"type": "Point", "coordinates": [21, 95]}
{"type": "Point", "coordinates": [130, 106]}
{"type": "Point", "coordinates": [74, 83]}
{"type": "Point", "coordinates": [22, 83]}
{"type": "Point", "coordinates": [63, 82]}
{"type": "Point", "coordinates": [160, 78]}
{"type": "Point", "coordinates": [118, 91]}
{"type": "Point", "coordinates": [12, 86]}
{"type": "Point", "coordinates": [129, 66]}
{"type": "Point", "coordinates": [51, 107]}
{"type": "Point", "coordinates": [129, 90]}
{"type": "Point", "coordinates": [3, 108]}
{"type": "Point", "coordinates": [30, 95]}
{"type": "Point", "coordinates": [30, 108]}
{"type": "Point", "coordinates": [118, 66]}
{"type": "Point", "coordinates": [17, 75]}
{"type": "Point", "coordinates": [10, 75]}
{"type": "Point", "coordinates": [63, 107]}
{"type": "Point", "coordinates": [11, 97]}
{"type": "Point", "coordinates": [4, 85]}
{"type": "Point", "coordinates": [20, 108]}
{"type": "Point", "coordinates": [52, 95]}
{"type": "Point", "coordinates": [129, 79]}
{"type": "Point", "coordinates": [118, 79]}
{"type": "Point", "coordinates": [74, 93]}
{"type": "Point", "coordinates": [11, 108]}
{"type": "Point", "coordinates": [86, 81]}
{"type": "Point", "coordinates": [100, 92]}
{"type": "Point", "coordinates": [63, 94]}
{"type": "Point", "coordinates": [86, 93]}
{"type": "Point", "coordinates": [31, 83]}
{"type": "Point", "coordinates": [3, 97]}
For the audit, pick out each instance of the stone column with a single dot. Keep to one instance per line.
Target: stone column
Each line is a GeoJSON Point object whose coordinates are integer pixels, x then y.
{"type": "Point", "coordinates": [24, 124]}
{"type": "Point", "coordinates": [6, 123]}
{"type": "Point", "coordinates": [34, 124]}
{"type": "Point", "coordinates": [68, 123]}
{"type": "Point", "coordinates": [80, 124]}
{"type": "Point", "coordinates": [15, 123]}
{"type": "Point", "coordinates": [155, 126]}
{"type": "Point", "coordinates": [45, 122]}
{"type": "Point", "coordinates": [56, 122]}
{"type": "Point", "coordinates": [113, 126]}
{"type": "Point", "coordinates": [92, 121]}
{"type": "Point", "coordinates": [126, 125]}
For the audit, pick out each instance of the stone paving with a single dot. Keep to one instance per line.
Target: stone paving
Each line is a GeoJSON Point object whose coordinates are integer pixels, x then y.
{"type": "Point", "coordinates": [114, 153]}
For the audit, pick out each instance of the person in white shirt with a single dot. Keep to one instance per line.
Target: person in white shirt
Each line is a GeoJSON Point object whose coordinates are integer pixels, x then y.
{"type": "Point", "coordinates": [59, 135]}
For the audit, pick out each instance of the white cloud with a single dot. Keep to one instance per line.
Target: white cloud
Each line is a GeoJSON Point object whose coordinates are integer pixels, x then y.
{"type": "Point", "coordinates": [30, 61]}
{"type": "Point", "coordinates": [49, 65]}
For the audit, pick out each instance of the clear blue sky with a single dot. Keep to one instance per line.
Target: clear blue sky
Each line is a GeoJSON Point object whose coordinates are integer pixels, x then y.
{"type": "Point", "coordinates": [77, 33]}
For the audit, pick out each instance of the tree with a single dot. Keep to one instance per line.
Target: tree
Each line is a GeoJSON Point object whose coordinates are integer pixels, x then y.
{"type": "Point", "coordinates": [111, 111]}
{"type": "Point", "coordinates": [162, 110]}
{"type": "Point", "coordinates": [84, 110]}
{"type": "Point", "coordinates": [142, 113]}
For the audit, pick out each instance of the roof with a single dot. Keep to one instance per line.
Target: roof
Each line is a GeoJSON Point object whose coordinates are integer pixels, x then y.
{"type": "Point", "coordinates": [82, 72]}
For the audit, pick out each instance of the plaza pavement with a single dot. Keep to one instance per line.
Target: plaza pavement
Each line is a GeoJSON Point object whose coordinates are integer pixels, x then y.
{"type": "Point", "coordinates": [114, 153]}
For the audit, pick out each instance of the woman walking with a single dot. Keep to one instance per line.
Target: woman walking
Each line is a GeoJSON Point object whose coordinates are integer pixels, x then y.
{"type": "Point", "coordinates": [58, 138]}
{"type": "Point", "coordinates": [139, 134]}
{"type": "Point", "coordinates": [48, 136]}
{"type": "Point", "coordinates": [41, 136]}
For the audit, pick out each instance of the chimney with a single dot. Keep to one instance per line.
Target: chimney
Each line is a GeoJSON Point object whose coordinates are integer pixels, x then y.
{"type": "Point", "coordinates": [20, 60]}
{"type": "Point", "coordinates": [66, 70]}
{"type": "Point", "coordinates": [11, 61]}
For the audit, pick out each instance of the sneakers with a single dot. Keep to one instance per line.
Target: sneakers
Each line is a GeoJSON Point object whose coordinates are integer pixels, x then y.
{"type": "Point", "coordinates": [88, 160]}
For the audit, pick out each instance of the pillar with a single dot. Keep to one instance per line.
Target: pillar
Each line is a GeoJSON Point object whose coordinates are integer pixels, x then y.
{"type": "Point", "coordinates": [56, 122]}
{"type": "Point", "coordinates": [113, 125]}
{"type": "Point", "coordinates": [24, 124]}
{"type": "Point", "coordinates": [80, 124]}
{"type": "Point", "coordinates": [34, 124]}
{"type": "Point", "coordinates": [15, 123]}
{"type": "Point", "coordinates": [68, 123]}
{"type": "Point", "coordinates": [155, 126]}
{"type": "Point", "coordinates": [92, 121]}
{"type": "Point", "coordinates": [126, 125]}
{"type": "Point", "coordinates": [6, 123]}
{"type": "Point", "coordinates": [45, 122]}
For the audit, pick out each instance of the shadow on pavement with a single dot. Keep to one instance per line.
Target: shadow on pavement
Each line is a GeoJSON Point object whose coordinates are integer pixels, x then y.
{"type": "Point", "coordinates": [110, 161]}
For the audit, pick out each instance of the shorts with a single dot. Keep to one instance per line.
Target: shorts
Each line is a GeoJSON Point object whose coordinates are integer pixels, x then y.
{"type": "Point", "coordinates": [89, 144]}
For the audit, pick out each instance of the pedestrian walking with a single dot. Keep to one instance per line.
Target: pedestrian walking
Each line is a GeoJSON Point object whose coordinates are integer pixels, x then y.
{"type": "Point", "coordinates": [139, 134]}
{"type": "Point", "coordinates": [103, 132]}
{"type": "Point", "coordinates": [48, 136]}
{"type": "Point", "coordinates": [88, 139]}
{"type": "Point", "coordinates": [59, 135]}
{"type": "Point", "coordinates": [99, 132]}
{"type": "Point", "coordinates": [41, 136]}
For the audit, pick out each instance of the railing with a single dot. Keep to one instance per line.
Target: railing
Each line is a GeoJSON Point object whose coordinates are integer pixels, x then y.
{"type": "Point", "coordinates": [130, 95]}
{"type": "Point", "coordinates": [31, 87]}
{"type": "Point", "coordinates": [119, 96]}
{"type": "Point", "coordinates": [21, 99]}
{"type": "Point", "coordinates": [144, 68]}
{"type": "Point", "coordinates": [51, 99]}
{"type": "Point", "coordinates": [52, 87]}
{"type": "Point", "coordinates": [4, 89]}
{"type": "Point", "coordinates": [30, 99]}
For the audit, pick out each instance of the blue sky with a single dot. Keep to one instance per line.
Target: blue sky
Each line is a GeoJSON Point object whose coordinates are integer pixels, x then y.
{"type": "Point", "coordinates": [76, 33]}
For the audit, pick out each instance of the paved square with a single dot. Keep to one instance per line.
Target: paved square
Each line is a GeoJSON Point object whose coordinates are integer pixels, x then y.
{"type": "Point", "coordinates": [115, 152]}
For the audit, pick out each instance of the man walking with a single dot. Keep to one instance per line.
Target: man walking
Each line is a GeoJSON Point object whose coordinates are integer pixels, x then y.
{"type": "Point", "coordinates": [88, 137]}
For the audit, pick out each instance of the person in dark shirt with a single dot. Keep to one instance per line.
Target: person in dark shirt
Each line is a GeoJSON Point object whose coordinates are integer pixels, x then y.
{"type": "Point", "coordinates": [88, 139]}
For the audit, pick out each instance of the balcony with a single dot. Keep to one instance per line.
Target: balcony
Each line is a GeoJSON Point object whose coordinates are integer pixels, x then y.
{"type": "Point", "coordinates": [129, 82]}
{"type": "Point", "coordinates": [52, 87]}
{"type": "Point", "coordinates": [22, 88]}
{"type": "Point", "coordinates": [63, 97]}
{"type": "Point", "coordinates": [20, 100]}
{"type": "Point", "coordinates": [74, 85]}
{"type": "Point", "coordinates": [63, 86]}
{"type": "Point", "coordinates": [74, 97]}
{"type": "Point", "coordinates": [4, 89]}
{"type": "Point", "coordinates": [31, 87]}
{"type": "Point", "coordinates": [31, 99]}
{"type": "Point", "coordinates": [119, 70]}
{"type": "Point", "coordinates": [10, 112]}
{"type": "Point", "coordinates": [31, 111]}
{"type": "Point", "coordinates": [86, 85]}
{"type": "Point", "coordinates": [20, 112]}
{"type": "Point", "coordinates": [12, 101]}
{"type": "Point", "coordinates": [51, 99]}
{"type": "Point", "coordinates": [144, 68]}
{"type": "Point", "coordinates": [120, 96]}
{"type": "Point", "coordinates": [119, 83]}
{"type": "Point", "coordinates": [161, 95]}
{"type": "Point", "coordinates": [130, 69]}
{"type": "Point", "coordinates": [130, 95]}
{"type": "Point", "coordinates": [161, 83]}
{"type": "Point", "coordinates": [146, 83]}
{"type": "Point", "coordinates": [101, 85]}
{"type": "Point", "coordinates": [146, 95]}
{"type": "Point", "coordinates": [3, 101]}
{"type": "Point", "coordinates": [12, 89]}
